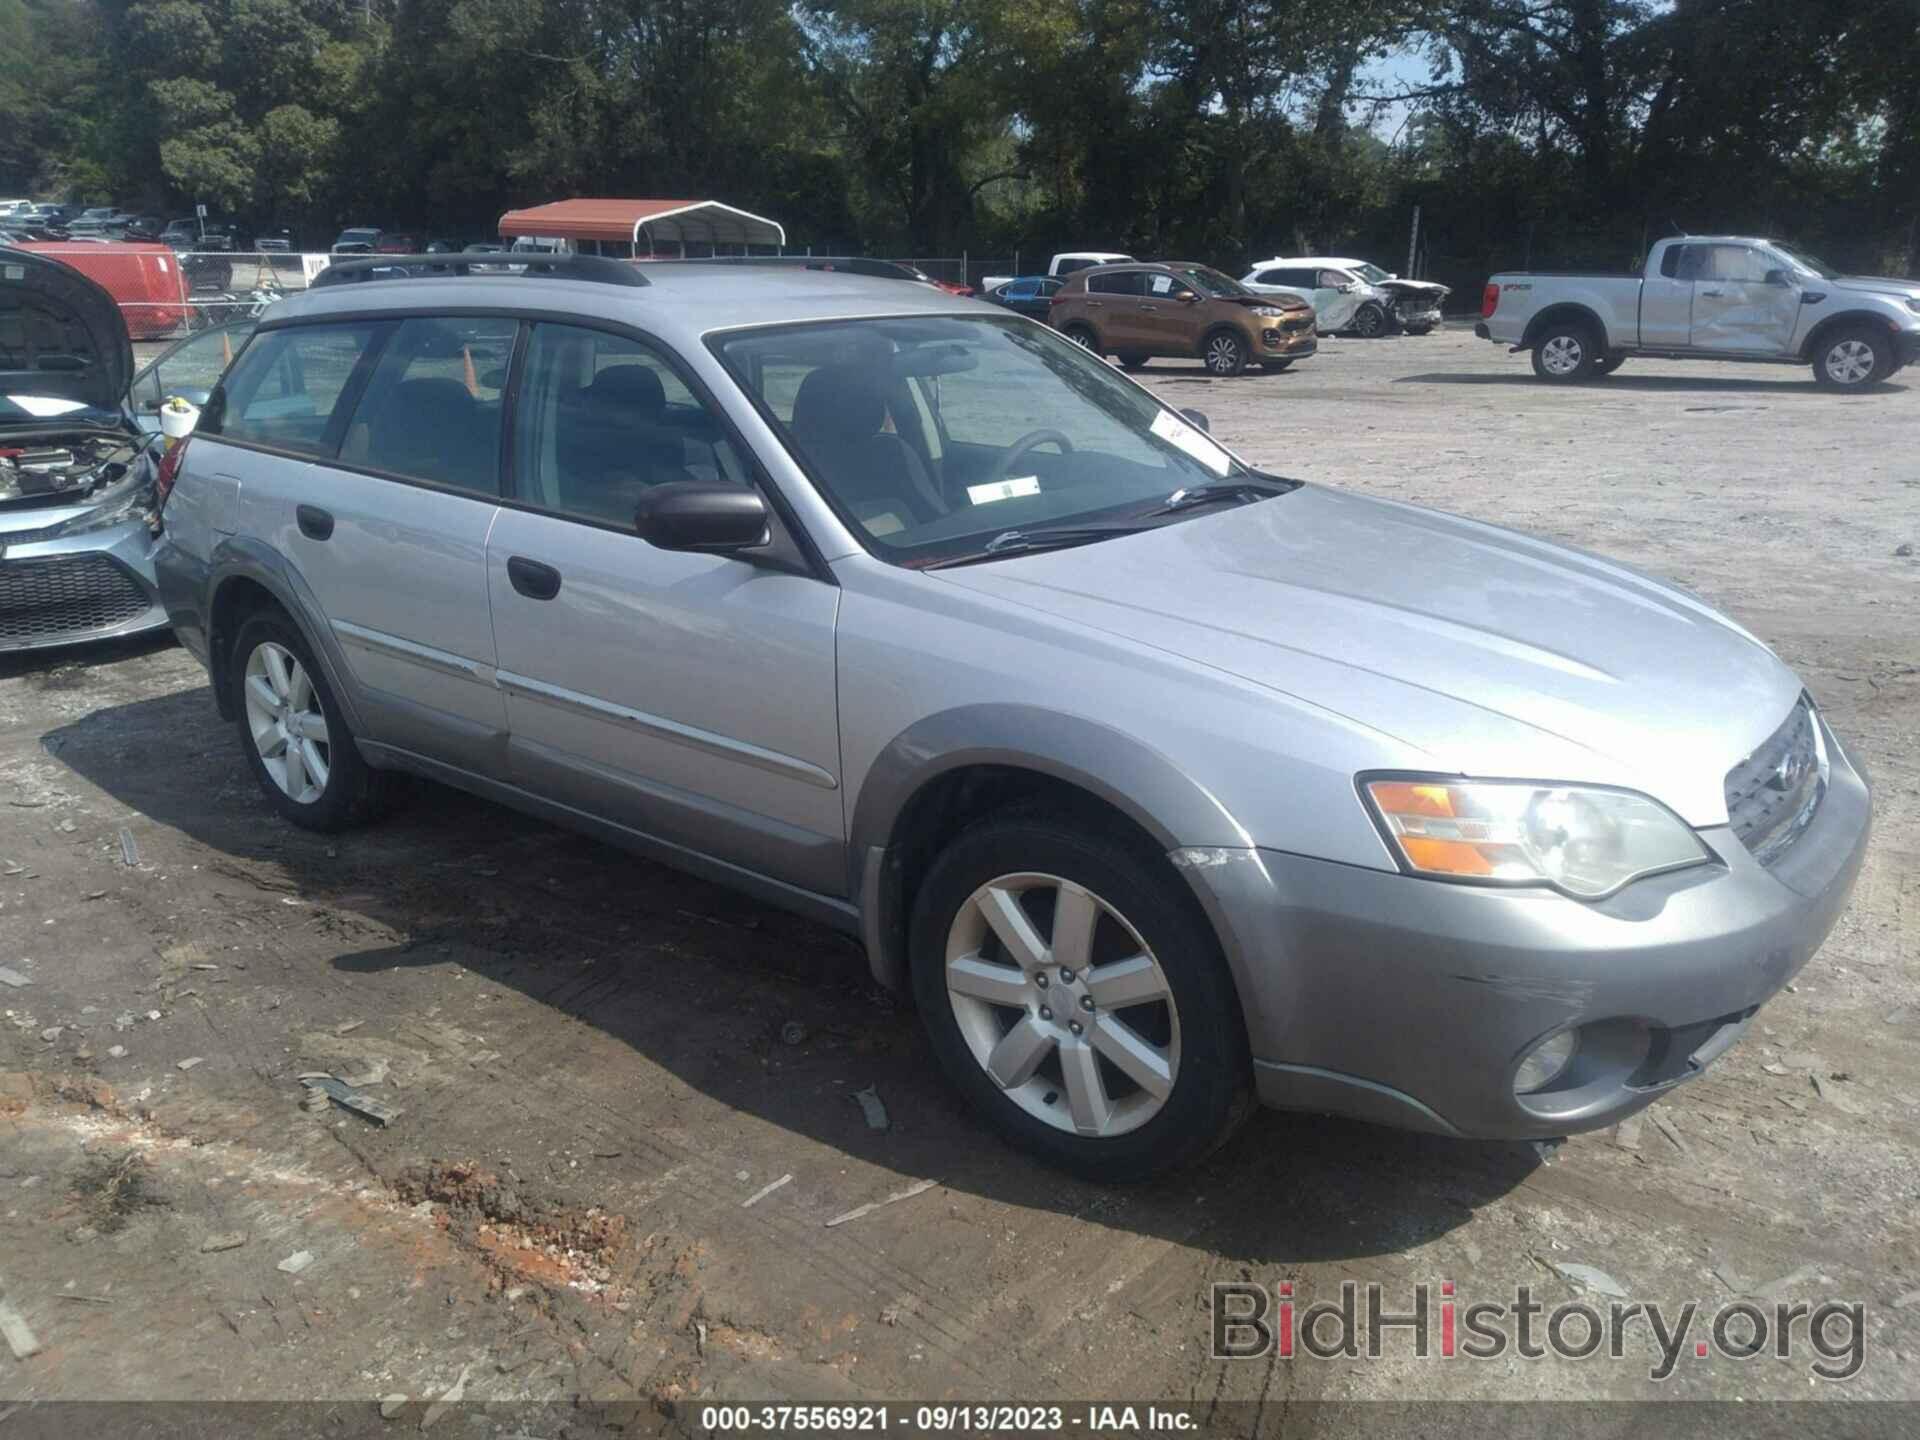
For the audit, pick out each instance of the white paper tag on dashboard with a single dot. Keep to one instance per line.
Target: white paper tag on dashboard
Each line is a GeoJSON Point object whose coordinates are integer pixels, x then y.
{"type": "Point", "coordinates": [1004, 489]}
{"type": "Point", "coordinates": [1170, 427]}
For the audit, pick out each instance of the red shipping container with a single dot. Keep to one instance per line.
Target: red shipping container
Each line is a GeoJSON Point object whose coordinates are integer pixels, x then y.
{"type": "Point", "coordinates": [145, 280]}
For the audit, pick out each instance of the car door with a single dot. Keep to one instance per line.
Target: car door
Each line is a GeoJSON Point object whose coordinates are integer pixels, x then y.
{"type": "Point", "coordinates": [1336, 299]}
{"type": "Point", "coordinates": [1113, 306]}
{"type": "Point", "coordinates": [1666, 299]}
{"type": "Point", "coordinates": [688, 697]}
{"type": "Point", "coordinates": [1167, 320]}
{"type": "Point", "coordinates": [1736, 308]}
{"type": "Point", "coordinates": [386, 524]}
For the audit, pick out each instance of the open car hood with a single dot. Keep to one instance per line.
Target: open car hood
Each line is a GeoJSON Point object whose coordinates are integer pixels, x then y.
{"type": "Point", "coordinates": [62, 342]}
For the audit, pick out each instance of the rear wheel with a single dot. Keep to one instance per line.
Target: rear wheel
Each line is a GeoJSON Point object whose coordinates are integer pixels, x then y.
{"type": "Point", "coordinates": [1077, 1000]}
{"type": "Point", "coordinates": [1852, 358]}
{"type": "Point", "coordinates": [1224, 353]}
{"type": "Point", "coordinates": [1565, 351]}
{"type": "Point", "coordinates": [297, 742]}
{"type": "Point", "coordinates": [1083, 336]}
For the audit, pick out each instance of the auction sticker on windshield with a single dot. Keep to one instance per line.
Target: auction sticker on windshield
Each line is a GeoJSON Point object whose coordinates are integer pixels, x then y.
{"type": "Point", "coordinates": [1171, 428]}
{"type": "Point", "coordinates": [1008, 489]}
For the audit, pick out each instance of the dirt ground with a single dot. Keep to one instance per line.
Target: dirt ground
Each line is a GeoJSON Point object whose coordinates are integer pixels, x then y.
{"type": "Point", "coordinates": [597, 1063]}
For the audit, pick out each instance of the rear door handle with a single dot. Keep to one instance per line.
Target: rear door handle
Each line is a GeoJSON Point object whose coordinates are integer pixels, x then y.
{"type": "Point", "coordinates": [532, 579]}
{"type": "Point", "coordinates": [314, 523]}
{"type": "Point", "coordinates": [1715, 293]}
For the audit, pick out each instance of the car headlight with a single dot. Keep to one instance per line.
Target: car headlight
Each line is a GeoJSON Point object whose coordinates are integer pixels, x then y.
{"type": "Point", "coordinates": [130, 500]}
{"type": "Point", "coordinates": [1270, 311]}
{"type": "Point", "coordinates": [1582, 840]}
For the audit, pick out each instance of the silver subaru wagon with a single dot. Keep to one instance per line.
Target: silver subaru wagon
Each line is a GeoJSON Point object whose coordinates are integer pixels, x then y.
{"type": "Point", "coordinates": [1159, 782]}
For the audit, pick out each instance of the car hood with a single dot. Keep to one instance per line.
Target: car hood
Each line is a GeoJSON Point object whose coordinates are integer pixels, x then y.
{"type": "Point", "coordinates": [1424, 288]}
{"type": "Point", "coordinates": [1879, 285]}
{"type": "Point", "coordinates": [1480, 650]}
{"type": "Point", "coordinates": [76, 347]}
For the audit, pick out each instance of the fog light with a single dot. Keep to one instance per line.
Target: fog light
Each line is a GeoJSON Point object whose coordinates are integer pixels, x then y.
{"type": "Point", "coordinates": [1545, 1062]}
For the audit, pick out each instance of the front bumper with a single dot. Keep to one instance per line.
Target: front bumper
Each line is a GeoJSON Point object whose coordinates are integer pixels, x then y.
{"type": "Point", "coordinates": [94, 586]}
{"type": "Point", "coordinates": [1278, 344]}
{"type": "Point", "coordinates": [1412, 1002]}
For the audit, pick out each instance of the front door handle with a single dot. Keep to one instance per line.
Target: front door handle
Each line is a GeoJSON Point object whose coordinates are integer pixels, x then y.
{"type": "Point", "coordinates": [1716, 294]}
{"type": "Point", "coordinates": [314, 523]}
{"type": "Point", "coordinates": [532, 579]}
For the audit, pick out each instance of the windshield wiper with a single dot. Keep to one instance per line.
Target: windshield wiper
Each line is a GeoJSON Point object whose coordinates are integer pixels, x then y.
{"type": "Point", "coordinates": [1245, 488]}
{"type": "Point", "coordinates": [1046, 537]}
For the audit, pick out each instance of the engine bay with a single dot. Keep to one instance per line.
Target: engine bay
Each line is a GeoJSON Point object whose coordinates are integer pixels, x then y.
{"type": "Point", "coordinates": [69, 469]}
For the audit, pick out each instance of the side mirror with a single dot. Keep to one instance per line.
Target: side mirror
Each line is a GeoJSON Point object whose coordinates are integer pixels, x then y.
{"type": "Point", "coordinates": [1188, 297]}
{"type": "Point", "coordinates": [1197, 419]}
{"type": "Point", "coordinates": [701, 516]}
{"type": "Point", "coordinates": [1346, 289]}
{"type": "Point", "coordinates": [1778, 277]}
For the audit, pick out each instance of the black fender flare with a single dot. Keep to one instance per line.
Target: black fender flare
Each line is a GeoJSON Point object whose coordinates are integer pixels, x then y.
{"type": "Point", "coordinates": [242, 558]}
{"type": "Point", "coordinates": [1171, 807]}
{"type": "Point", "coordinates": [1846, 318]}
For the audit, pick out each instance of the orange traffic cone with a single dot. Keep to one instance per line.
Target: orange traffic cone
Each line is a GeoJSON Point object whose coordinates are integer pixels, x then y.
{"type": "Point", "coordinates": [226, 349]}
{"type": "Point", "coordinates": [473, 381]}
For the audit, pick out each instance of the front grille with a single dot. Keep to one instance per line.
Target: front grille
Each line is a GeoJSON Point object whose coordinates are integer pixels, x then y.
{"type": "Point", "coordinates": [42, 600]}
{"type": "Point", "coordinates": [1773, 793]}
{"type": "Point", "coordinates": [1298, 322]}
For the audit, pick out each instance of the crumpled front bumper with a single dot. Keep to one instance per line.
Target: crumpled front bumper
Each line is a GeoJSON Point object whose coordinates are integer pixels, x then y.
{"type": "Point", "coordinates": [1412, 1002]}
{"type": "Point", "coordinates": [96, 585]}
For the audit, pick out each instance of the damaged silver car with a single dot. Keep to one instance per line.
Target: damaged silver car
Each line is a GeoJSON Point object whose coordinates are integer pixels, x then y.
{"type": "Point", "coordinates": [79, 455]}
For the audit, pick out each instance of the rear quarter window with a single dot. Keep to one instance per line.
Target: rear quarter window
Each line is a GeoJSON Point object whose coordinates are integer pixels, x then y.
{"type": "Point", "coordinates": [285, 387]}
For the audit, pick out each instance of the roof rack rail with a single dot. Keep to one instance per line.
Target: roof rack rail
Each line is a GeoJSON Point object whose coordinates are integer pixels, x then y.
{"type": "Point", "coordinates": [845, 264]}
{"type": "Point", "coordinates": [598, 268]}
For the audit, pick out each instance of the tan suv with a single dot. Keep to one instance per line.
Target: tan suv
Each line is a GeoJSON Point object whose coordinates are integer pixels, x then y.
{"type": "Point", "coordinates": [1176, 308]}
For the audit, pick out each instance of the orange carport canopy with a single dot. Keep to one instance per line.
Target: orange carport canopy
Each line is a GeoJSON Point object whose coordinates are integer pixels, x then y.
{"type": "Point", "coordinates": [658, 222]}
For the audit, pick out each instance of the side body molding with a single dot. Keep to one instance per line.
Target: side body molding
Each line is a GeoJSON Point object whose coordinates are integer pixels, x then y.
{"type": "Point", "coordinates": [1134, 778]}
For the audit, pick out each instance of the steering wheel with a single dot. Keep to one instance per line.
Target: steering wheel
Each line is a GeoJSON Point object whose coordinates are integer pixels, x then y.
{"type": "Point", "coordinates": [1032, 440]}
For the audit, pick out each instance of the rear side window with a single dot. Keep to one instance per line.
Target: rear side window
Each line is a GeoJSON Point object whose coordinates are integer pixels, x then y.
{"type": "Point", "coordinates": [284, 389]}
{"type": "Point", "coordinates": [432, 409]}
{"type": "Point", "coordinates": [1126, 282]}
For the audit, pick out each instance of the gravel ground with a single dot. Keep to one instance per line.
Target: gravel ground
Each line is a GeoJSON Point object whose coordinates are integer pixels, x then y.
{"type": "Point", "coordinates": [597, 1062]}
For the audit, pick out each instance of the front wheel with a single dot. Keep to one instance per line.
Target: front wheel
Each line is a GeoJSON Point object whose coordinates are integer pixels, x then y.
{"type": "Point", "coordinates": [1225, 354]}
{"type": "Point", "coordinates": [1565, 352]}
{"type": "Point", "coordinates": [1370, 322]}
{"type": "Point", "coordinates": [1077, 998]}
{"type": "Point", "coordinates": [1852, 359]}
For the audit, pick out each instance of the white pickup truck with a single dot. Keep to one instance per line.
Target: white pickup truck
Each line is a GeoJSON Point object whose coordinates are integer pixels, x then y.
{"type": "Point", "coordinates": [1064, 264]}
{"type": "Point", "coordinates": [1709, 297]}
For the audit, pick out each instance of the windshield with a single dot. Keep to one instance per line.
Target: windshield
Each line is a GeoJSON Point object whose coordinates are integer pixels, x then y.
{"type": "Point", "coordinates": [935, 435]}
{"type": "Point", "coordinates": [1210, 282]}
{"type": "Point", "coordinates": [1808, 262]}
{"type": "Point", "coordinates": [1372, 274]}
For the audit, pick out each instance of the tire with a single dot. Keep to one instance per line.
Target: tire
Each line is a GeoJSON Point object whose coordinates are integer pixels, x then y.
{"type": "Point", "coordinates": [1852, 358]}
{"type": "Point", "coordinates": [1607, 364]}
{"type": "Point", "coordinates": [1370, 322]}
{"type": "Point", "coordinates": [1068, 1102]}
{"type": "Point", "coordinates": [1276, 367]}
{"type": "Point", "coordinates": [1132, 360]}
{"type": "Point", "coordinates": [1224, 353]}
{"type": "Point", "coordinates": [1423, 328]}
{"type": "Point", "coordinates": [1565, 351]}
{"type": "Point", "coordinates": [275, 680]}
{"type": "Point", "coordinates": [1083, 336]}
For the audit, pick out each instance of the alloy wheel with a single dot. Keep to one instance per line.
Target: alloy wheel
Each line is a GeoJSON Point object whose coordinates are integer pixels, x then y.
{"type": "Point", "coordinates": [1223, 355]}
{"type": "Point", "coordinates": [1062, 1004]}
{"type": "Point", "coordinates": [1850, 362]}
{"type": "Point", "coordinates": [289, 728]}
{"type": "Point", "coordinates": [1563, 355]}
{"type": "Point", "coordinates": [1369, 322]}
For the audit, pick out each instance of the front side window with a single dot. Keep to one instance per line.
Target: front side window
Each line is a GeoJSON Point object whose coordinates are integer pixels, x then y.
{"type": "Point", "coordinates": [602, 419]}
{"type": "Point", "coordinates": [933, 435]}
{"type": "Point", "coordinates": [1334, 279]}
{"type": "Point", "coordinates": [284, 389]}
{"type": "Point", "coordinates": [193, 367]}
{"type": "Point", "coordinates": [1738, 263]}
{"type": "Point", "coordinates": [432, 409]}
{"type": "Point", "coordinates": [1208, 281]}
